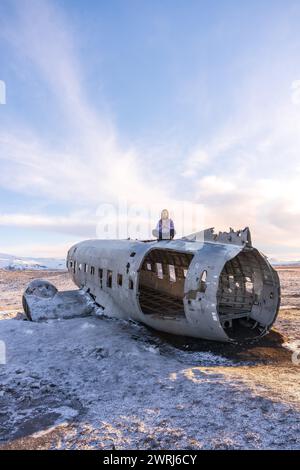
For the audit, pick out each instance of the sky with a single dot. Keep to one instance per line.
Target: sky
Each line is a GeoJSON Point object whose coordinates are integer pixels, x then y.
{"type": "Point", "coordinates": [126, 107]}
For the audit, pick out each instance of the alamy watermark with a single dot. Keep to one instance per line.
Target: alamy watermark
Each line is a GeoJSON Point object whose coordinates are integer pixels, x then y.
{"type": "Point", "coordinates": [2, 352]}
{"type": "Point", "coordinates": [124, 220]}
{"type": "Point", "coordinates": [2, 92]}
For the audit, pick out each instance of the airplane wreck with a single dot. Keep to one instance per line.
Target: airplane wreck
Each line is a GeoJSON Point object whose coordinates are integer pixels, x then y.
{"type": "Point", "coordinates": [206, 285]}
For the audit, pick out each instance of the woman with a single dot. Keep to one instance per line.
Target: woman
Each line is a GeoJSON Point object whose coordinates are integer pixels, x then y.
{"type": "Point", "coordinates": [165, 227]}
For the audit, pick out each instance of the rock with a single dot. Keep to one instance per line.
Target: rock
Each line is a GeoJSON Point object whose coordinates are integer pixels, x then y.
{"type": "Point", "coordinates": [35, 386]}
{"type": "Point", "coordinates": [34, 376]}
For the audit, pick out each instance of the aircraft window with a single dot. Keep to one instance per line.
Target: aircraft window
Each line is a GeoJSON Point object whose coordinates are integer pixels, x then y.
{"type": "Point", "coordinates": [109, 278]}
{"type": "Point", "coordinates": [119, 279]}
{"type": "Point", "coordinates": [92, 270]}
{"type": "Point", "coordinates": [80, 266]}
{"type": "Point", "coordinates": [172, 274]}
{"type": "Point", "coordinates": [159, 270]}
{"type": "Point", "coordinates": [249, 285]}
{"type": "Point", "coordinates": [100, 274]}
{"type": "Point", "coordinates": [86, 266]}
{"type": "Point", "coordinates": [202, 287]}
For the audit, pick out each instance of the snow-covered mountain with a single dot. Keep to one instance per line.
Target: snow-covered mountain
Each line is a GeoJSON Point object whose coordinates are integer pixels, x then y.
{"type": "Point", "coordinates": [15, 263]}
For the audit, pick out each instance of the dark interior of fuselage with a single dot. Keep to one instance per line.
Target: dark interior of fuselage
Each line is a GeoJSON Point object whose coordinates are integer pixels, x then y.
{"type": "Point", "coordinates": [161, 288]}
{"type": "Point", "coordinates": [240, 288]}
{"type": "Point", "coordinates": [161, 282]}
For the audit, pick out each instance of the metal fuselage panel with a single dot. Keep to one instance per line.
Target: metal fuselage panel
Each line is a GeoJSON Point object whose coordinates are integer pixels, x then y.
{"type": "Point", "coordinates": [110, 270]}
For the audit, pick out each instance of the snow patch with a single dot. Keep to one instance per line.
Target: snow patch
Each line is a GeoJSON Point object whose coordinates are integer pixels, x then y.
{"type": "Point", "coordinates": [14, 263]}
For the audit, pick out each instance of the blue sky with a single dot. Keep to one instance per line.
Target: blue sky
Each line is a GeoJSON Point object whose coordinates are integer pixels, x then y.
{"type": "Point", "coordinates": [149, 102]}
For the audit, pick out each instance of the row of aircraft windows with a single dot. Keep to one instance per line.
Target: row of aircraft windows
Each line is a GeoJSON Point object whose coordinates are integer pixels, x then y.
{"type": "Point", "coordinates": [109, 274]}
{"type": "Point", "coordinates": [160, 272]}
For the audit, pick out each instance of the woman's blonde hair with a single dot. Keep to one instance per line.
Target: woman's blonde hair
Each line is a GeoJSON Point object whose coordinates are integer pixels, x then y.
{"type": "Point", "coordinates": [164, 214]}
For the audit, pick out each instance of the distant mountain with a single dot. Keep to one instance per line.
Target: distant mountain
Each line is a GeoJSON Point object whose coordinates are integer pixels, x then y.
{"type": "Point", "coordinates": [17, 263]}
{"type": "Point", "coordinates": [276, 262]}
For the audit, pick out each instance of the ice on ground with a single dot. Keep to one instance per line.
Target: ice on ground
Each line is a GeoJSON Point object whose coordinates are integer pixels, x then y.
{"type": "Point", "coordinates": [91, 383]}
{"type": "Point", "coordinates": [98, 382]}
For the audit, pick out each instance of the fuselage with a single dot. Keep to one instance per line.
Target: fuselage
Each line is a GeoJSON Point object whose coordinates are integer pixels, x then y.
{"type": "Point", "coordinates": [219, 288]}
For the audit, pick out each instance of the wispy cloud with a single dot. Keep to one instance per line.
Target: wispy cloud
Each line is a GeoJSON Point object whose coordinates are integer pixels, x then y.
{"type": "Point", "coordinates": [95, 166]}
{"type": "Point", "coordinates": [40, 250]}
{"type": "Point", "coordinates": [246, 172]}
{"type": "Point", "coordinates": [80, 224]}
{"type": "Point", "coordinates": [251, 174]}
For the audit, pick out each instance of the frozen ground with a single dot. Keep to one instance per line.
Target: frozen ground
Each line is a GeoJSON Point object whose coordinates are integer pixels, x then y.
{"type": "Point", "coordinates": [96, 382]}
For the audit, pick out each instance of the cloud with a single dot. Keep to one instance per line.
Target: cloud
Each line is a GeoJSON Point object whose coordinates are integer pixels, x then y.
{"type": "Point", "coordinates": [194, 163]}
{"type": "Point", "coordinates": [39, 250]}
{"type": "Point", "coordinates": [80, 224]}
{"type": "Point", "coordinates": [2, 92]}
{"type": "Point", "coordinates": [295, 92]}
{"type": "Point", "coordinates": [253, 178]}
{"type": "Point", "coordinates": [245, 172]}
{"type": "Point", "coordinates": [216, 185]}
{"type": "Point", "coordinates": [91, 166]}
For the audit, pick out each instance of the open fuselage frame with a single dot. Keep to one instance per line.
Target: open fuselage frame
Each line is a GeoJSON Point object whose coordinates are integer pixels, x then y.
{"type": "Point", "coordinates": [216, 287]}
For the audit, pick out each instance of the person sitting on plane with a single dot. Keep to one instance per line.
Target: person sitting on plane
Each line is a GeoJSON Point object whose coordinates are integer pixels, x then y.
{"type": "Point", "coordinates": [165, 227]}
